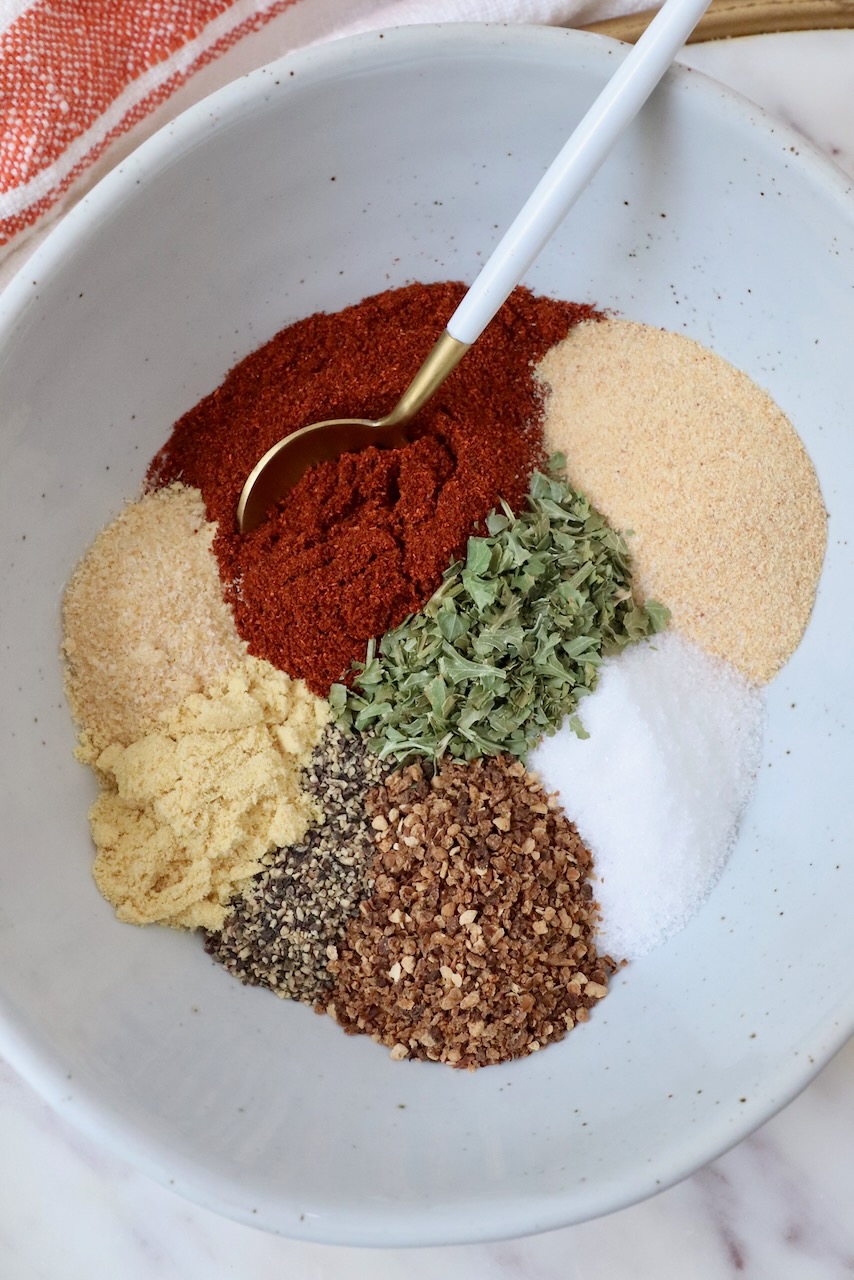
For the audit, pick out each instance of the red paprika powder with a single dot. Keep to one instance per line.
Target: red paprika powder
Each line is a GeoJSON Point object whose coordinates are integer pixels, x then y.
{"type": "Point", "coordinates": [362, 542]}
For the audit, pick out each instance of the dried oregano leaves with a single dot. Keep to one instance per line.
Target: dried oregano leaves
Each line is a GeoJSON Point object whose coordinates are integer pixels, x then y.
{"type": "Point", "coordinates": [510, 641]}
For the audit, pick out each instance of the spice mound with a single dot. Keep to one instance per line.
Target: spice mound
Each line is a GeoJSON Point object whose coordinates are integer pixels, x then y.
{"type": "Point", "coordinates": [317, 742]}
{"type": "Point", "coordinates": [477, 945]}
{"type": "Point", "coordinates": [362, 542]}
{"type": "Point", "coordinates": [659, 784]}
{"type": "Point", "coordinates": [283, 929]}
{"type": "Point", "coordinates": [510, 641]}
{"type": "Point", "coordinates": [145, 623]}
{"type": "Point", "coordinates": [190, 810]}
{"type": "Point", "coordinates": [729, 526]}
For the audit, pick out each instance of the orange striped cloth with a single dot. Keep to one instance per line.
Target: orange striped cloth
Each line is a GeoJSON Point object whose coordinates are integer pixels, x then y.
{"type": "Point", "coordinates": [78, 74]}
{"type": "Point", "coordinates": [84, 81]}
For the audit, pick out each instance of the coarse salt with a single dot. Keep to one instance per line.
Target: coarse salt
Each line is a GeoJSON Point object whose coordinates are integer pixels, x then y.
{"type": "Point", "coordinates": [657, 790]}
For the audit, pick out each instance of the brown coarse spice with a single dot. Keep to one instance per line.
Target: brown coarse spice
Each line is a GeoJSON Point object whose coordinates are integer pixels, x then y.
{"type": "Point", "coordinates": [360, 543]}
{"type": "Point", "coordinates": [477, 945]}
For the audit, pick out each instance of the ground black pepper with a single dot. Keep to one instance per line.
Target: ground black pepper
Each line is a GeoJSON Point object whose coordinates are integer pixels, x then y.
{"type": "Point", "coordinates": [282, 932]}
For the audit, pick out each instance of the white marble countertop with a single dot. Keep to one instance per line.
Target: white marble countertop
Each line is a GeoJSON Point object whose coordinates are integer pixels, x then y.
{"type": "Point", "coordinates": [778, 1205]}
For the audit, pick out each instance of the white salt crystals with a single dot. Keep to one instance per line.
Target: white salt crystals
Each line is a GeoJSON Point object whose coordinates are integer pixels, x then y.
{"type": "Point", "coordinates": [658, 788]}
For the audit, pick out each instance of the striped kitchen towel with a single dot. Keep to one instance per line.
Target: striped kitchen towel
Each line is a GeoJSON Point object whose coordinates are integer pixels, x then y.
{"type": "Point", "coordinates": [82, 82]}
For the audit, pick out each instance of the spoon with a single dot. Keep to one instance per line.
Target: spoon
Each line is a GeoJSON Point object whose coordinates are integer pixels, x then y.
{"type": "Point", "coordinates": [552, 198]}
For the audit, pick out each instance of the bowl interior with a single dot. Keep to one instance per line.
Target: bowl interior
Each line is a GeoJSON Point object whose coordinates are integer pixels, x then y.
{"type": "Point", "coordinates": [307, 186]}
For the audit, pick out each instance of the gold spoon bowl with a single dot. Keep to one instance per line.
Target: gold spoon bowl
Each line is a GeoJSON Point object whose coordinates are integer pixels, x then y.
{"type": "Point", "coordinates": [287, 461]}
{"type": "Point", "coordinates": [546, 207]}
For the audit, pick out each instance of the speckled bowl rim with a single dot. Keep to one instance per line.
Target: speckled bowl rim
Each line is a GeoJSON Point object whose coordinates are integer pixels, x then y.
{"type": "Point", "coordinates": [473, 1221]}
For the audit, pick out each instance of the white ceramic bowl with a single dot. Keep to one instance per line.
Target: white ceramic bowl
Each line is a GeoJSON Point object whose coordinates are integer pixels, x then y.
{"type": "Point", "coordinates": [223, 228]}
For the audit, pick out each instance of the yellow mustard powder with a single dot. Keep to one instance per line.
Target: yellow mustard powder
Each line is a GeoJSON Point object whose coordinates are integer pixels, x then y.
{"type": "Point", "coordinates": [190, 810]}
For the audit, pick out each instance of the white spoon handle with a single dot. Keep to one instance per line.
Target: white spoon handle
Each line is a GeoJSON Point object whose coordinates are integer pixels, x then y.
{"type": "Point", "coordinates": [575, 164]}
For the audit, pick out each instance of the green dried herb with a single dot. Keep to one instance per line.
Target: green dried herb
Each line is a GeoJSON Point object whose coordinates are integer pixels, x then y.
{"type": "Point", "coordinates": [510, 641]}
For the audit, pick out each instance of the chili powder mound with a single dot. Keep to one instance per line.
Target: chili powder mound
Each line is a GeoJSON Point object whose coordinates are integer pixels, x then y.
{"type": "Point", "coordinates": [362, 542]}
